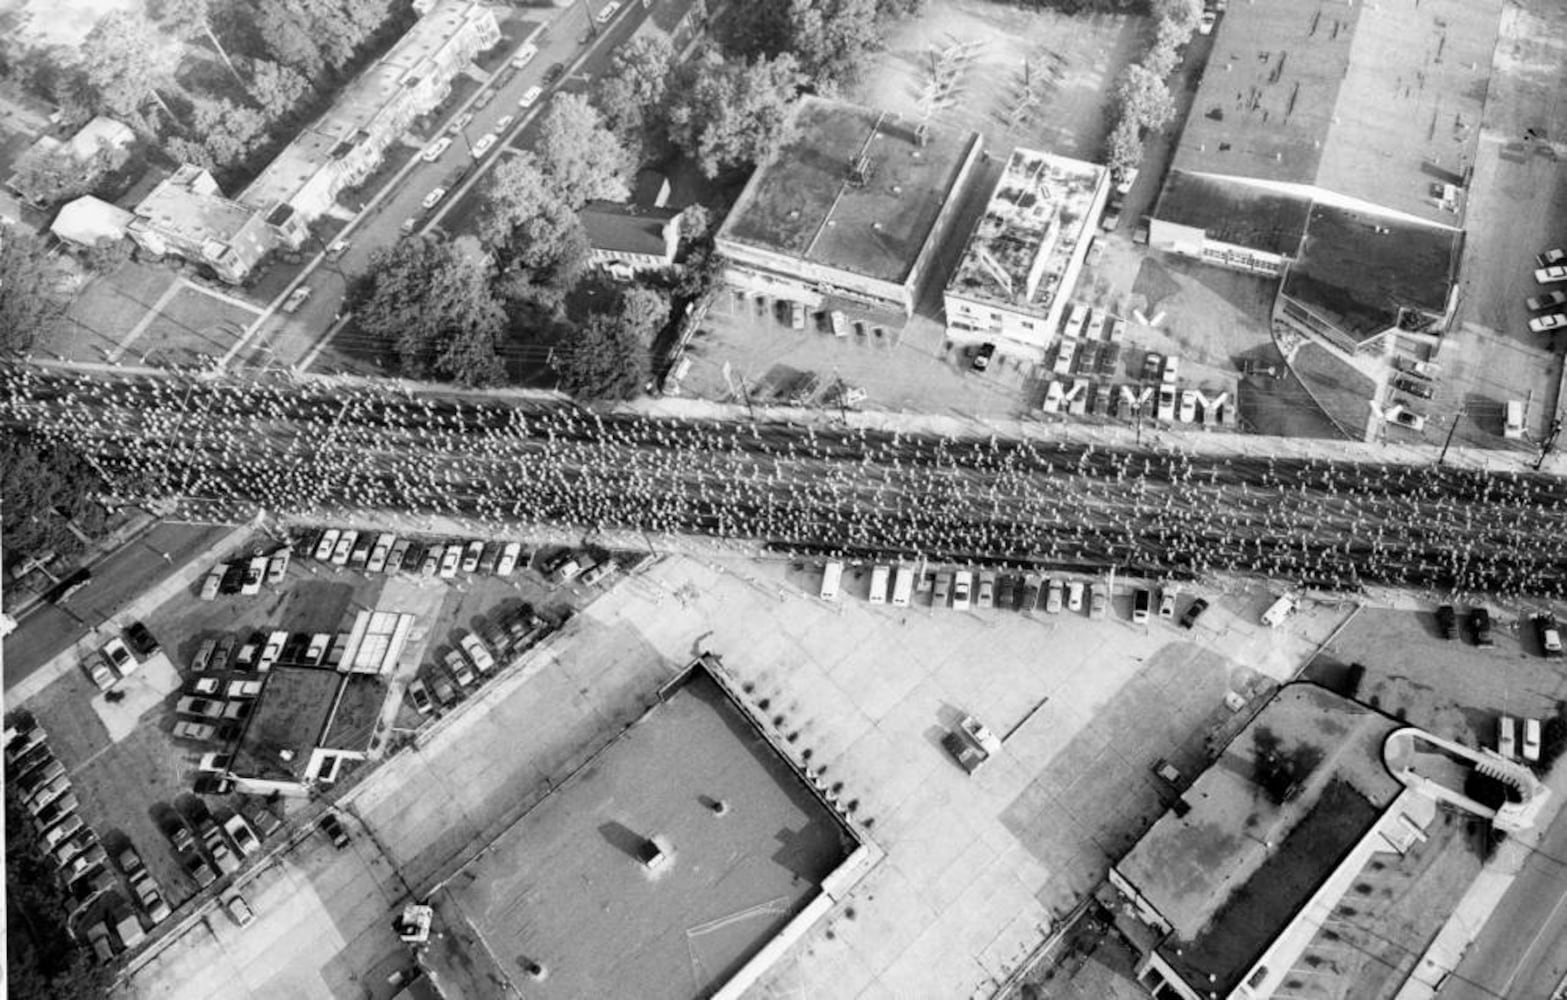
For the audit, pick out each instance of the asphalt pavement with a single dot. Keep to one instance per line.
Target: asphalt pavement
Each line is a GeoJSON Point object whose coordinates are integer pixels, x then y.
{"type": "Point", "coordinates": [49, 629]}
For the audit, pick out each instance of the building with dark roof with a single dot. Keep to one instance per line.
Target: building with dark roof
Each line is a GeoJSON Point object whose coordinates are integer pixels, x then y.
{"type": "Point", "coordinates": [679, 862]}
{"type": "Point", "coordinates": [625, 239]}
{"type": "Point", "coordinates": [1225, 894]}
{"type": "Point", "coordinates": [306, 722]}
{"type": "Point", "coordinates": [1370, 111]}
{"type": "Point", "coordinates": [1026, 250]}
{"type": "Point", "coordinates": [850, 211]}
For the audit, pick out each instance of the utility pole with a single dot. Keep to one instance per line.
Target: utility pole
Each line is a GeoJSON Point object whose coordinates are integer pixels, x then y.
{"type": "Point", "coordinates": [593, 27]}
{"type": "Point", "coordinates": [1549, 444]}
{"type": "Point", "coordinates": [1451, 428]}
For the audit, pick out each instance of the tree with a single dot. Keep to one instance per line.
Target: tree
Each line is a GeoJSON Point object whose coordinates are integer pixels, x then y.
{"type": "Point", "coordinates": [1162, 59]}
{"type": "Point", "coordinates": [644, 311]}
{"type": "Point", "coordinates": [185, 19]}
{"type": "Point", "coordinates": [528, 226]}
{"type": "Point", "coordinates": [46, 488]}
{"type": "Point", "coordinates": [1182, 15]}
{"type": "Point", "coordinates": [183, 150]}
{"type": "Point", "coordinates": [277, 88]}
{"type": "Point", "coordinates": [608, 360]}
{"type": "Point", "coordinates": [432, 303]}
{"type": "Point", "coordinates": [1125, 146]}
{"type": "Point", "coordinates": [632, 94]}
{"type": "Point", "coordinates": [50, 176]}
{"type": "Point", "coordinates": [1144, 98]}
{"type": "Point", "coordinates": [107, 255]}
{"type": "Point", "coordinates": [287, 38]}
{"type": "Point", "coordinates": [32, 301]}
{"type": "Point", "coordinates": [728, 114]}
{"type": "Point", "coordinates": [694, 223]}
{"type": "Point", "coordinates": [125, 59]}
{"type": "Point", "coordinates": [831, 37]}
{"type": "Point", "coordinates": [580, 155]}
{"type": "Point", "coordinates": [230, 131]}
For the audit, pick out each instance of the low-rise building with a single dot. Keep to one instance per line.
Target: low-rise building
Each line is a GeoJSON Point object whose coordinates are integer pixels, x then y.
{"type": "Point", "coordinates": [88, 220]}
{"type": "Point", "coordinates": [630, 239]}
{"type": "Point", "coordinates": [186, 215]}
{"type": "Point", "coordinates": [849, 213]}
{"type": "Point", "coordinates": [306, 723]}
{"type": "Point", "coordinates": [1026, 250]}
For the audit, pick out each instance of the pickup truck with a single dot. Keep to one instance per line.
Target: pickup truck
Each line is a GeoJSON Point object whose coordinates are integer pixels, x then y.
{"type": "Point", "coordinates": [971, 744]}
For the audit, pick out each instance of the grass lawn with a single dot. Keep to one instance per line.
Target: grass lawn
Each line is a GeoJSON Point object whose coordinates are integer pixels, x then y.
{"type": "Point", "coordinates": [1342, 391]}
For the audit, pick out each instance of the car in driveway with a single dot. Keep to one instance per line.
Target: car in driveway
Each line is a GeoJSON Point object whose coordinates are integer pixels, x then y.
{"type": "Point", "coordinates": [982, 356]}
{"type": "Point", "coordinates": [1550, 634]}
{"type": "Point", "coordinates": [1053, 596]}
{"type": "Point", "coordinates": [1027, 595]}
{"type": "Point", "coordinates": [1188, 412]}
{"type": "Point", "coordinates": [99, 672]}
{"type": "Point", "coordinates": [1166, 403]}
{"type": "Point", "coordinates": [484, 144]}
{"type": "Point", "coordinates": [119, 657]}
{"type": "Point", "coordinates": [1548, 322]}
{"type": "Point", "coordinates": [1549, 300]}
{"type": "Point", "coordinates": [942, 590]}
{"type": "Point", "coordinates": [459, 668]}
{"type": "Point", "coordinates": [432, 560]}
{"type": "Point", "coordinates": [1167, 602]}
{"type": "Point", "coordinates": [433, 151]}
{"type": "Point", "coordinates": [344, 547]}
{"type": "Point", "coordinates": [985, 596]}
{"type": "Point", "coordinates": [563, 568]}
{"type": "Point", "coordinates": [433, 198]}
{"type": "Point", "coordinates": [1142, 604]}
{"type": "Point", "coordinates": [1413, 386]}
{"type": "Point", "coordinates": [398, 554]}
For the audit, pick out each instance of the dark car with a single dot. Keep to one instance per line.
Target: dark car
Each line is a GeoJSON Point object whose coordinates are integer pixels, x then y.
{"type": "Point", "coordinates": [983, 355]}
{"type": "Point", "coordinates": [1414, 386]}
{"type": "Point", "coordinates": [233, 577]}
{"type": "Point", "coordinates": [305, 545]}
{"type": "Point", "coordinates": [1193, 612]}
{"type": "Point", "coordinates": [333, 828]}
{"type": "Point", "coordinates": [554, 73]}
{"type": "Point", "coordinates": [1480, 625]}
{"type": "Point", "coordinates": [414, 557]}
{"type": "Point", "coordinates": [1029, 593]}
{"type": "Point", "coordinates": [1447, 621]}
{"type": "Point", "coordinates": [1004, 590]}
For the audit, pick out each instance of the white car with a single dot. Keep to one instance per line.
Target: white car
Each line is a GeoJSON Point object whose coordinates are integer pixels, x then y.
{"type": "Point", "coordinates": [255, 573]}
{"type": "Point", "coordinates": [435, 149]}
{"type": "Point", "coordinates": [529, 96]}
{"type": "Point", "coordinates": [505, 122]}
{"type": "Point", "coordinates": [100, 673]}
{"type": "Point", "coordinates": [451, 560]}
{"type": "Point", "coordinates": [296, 298]}
{"type": "Point", "coordinates": [1548, 322]}
{"type": "Point", "coordinates": [379, 554]}
{"type": "Point", "coordinates": [471, 555]}
{"type": "Point", "coordinates": [607, 11]}
{"type": "Point", "coordinates": [277, 567]}
{"type": "Point", "coordinates": [1166, 410]}
{"type": "Point", "coordinates": [524, 55]}
{"type": "Point", "coordinates": [483, 145]}
{"type": "Point", "coordinates": [1551, 275]}
{"type": "Point", "coordinates": [1055, 395]}
{"type": "Point", "coordinates": [328, 542]}
{"type": "Point", "coordinates": [962, 588]}
{"type": "Point", "coordinates": [509, 557]}
{"type": "Point", "coordinates": [394, 558]}
{"type": "Point", "coordinates": [344, 548]}
{"type": "Point", "coordinates": [433, 198]}
{"type": "Point", "coordinates": [1074, 596]}
{"type": "Point", "coordinates": [477, 653]}
{"type": "Point", "coordinates": [1188, 406]}
{"type": "Point", "coordinates": [213, 583]}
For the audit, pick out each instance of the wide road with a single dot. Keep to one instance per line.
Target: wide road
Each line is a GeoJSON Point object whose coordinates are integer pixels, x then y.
{"type": "Point", "coordinates": [1522, 952]}
{"type": "Point", "coordinates": [225, 445]}
{"type": "Point", "coordinates": [142, 563]}
{"type": "Point", "coordinates": [300, 338]}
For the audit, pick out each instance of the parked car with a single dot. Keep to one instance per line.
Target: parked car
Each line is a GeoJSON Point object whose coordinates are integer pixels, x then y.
{"type": "Point", "coordinates": [1550, 258]}
{"type": "Point", "coordinates": [484, 143]}
{"type": "Point", "coordinates": [598, 571]}
{"type": "Point", "coordinates": [1405, 417]}
{"type": "Point", "coordinates": [119, 657]}
{"type": "Point", "coordinates": [471, 555]}
{"type": "Point", "coordinates": [1193, 612]}
{"type": "Point", "coordinates": [99, 671]}
{"type": "Point", "coordinates": [433, 198]}
{"type": "Point", "coordinates": [152, 902]}
{"type": "Point", "coordinates": [277, 567]}
{"type": "Point", "coordinates": [477, 653]}
{"type": "Point", "coordinates": [554, 73]}
{"type": "Point", "coordinates": [1480, 625]}
{"type": "Point", "coordinates": [244, 838]}
{"type": "Point", "coordinates": [1074, 596]}
{"type": "Point", "coordinates": [607, 11]}
{"type": "Point", "coordinates": [459, 668]}
{"type": "Point", "coordinates": [238, 910]}
{"type": "Point", "coordinates": [1548, 322]}
{"type": "Point", "coordinates": [1447, 621]}
{"type": "Point", "coordinates": [1414, 386]}
{"type": "Point", "coordinates": [327, 545]}
{"type": "Point", "coordinates": [433, 151]}
{"type": "Point", "coordinates": [296, 298]}
{"type": "Point", "coordinates": [333, 828]}
{"type": "Point", "coordinates": [1549, 300]}
{"type": "Point", "coordinates": [529, 96]}
{"type": "Point", "coordinates": [255, 573]}
{"type": "Point", "coordinates": [1550, 635]}
{"type": "Point", "coordinates": [511, 554]}
{"type": "Point", "coordinates": [211, 586]}
{"type": "Point", "coordinates": [983, 355]}
{"type": "Point", "coordinates": [197, 868]}
{"type": "Point", "coordinates": [1551, 275]}
{"type": "Point", "coordinates": [420, 697]}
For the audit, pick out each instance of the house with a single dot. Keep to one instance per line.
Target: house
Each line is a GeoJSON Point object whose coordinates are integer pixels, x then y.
{"type": "Point", "coordinates": [186, 215]}
{"type": "Point", "coordinates": [628, 239]}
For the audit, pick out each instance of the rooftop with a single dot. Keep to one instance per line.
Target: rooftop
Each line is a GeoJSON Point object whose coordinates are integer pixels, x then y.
{"type": "Point", "coordinates": [564, 886]}
{"type": "Point", "coordinates": [1360, 270]}
{"type": "Point", "coordinates": [1235, 212]}
{"type": "Point", "coordinates": [1035, 218]}
{"type": "Point", "coordinates": [808, 201]}
{"type": "Point", "coordinates": [87, 220]}
{"type": "Point", "coordinates": [188, 203]}
{"type": "Point", "coordinates": [1268, 821]}
{"type": "Point", "coordinates": [626, 228]}
{"type": "Point", "coordinates": [1359, 99]}
{"type": "Point", "coordinates": [291, 715]}
{"type": "Point", "coordinates": [358, 710]}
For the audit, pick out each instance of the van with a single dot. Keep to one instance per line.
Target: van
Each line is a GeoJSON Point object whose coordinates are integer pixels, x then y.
{"type": "Point", "coordinates": [1278, 611]}
{"type": "Point", "coordinates": [879, 577]}
{"type": "Point", "coordinates": [1512, 426]}
{"type": "Point", "coordinates": [1504, 737]}
{"type": "Point", "coordinates": [832, 577]}
{"type": "Point", "coordinates": [902, 587]}
{"type": "Point", "coordinates": [1531, 739]}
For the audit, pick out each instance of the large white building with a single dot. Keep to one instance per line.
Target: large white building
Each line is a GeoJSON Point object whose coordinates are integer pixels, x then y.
{"type": "Point", "coordinates": [1332, 144]}
{"type": "Point", "coordinates": [1027, 250]}
{"type": "Point", "coordinates": [848, 215]}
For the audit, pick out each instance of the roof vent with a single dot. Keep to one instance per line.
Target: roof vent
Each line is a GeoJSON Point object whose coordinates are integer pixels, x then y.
{"type": "Point", "coordinates": [286, 755]}
{"type": "Point", "coordinates": [876, 226]}
{"type": "Point", "coordinates": [897, 189]}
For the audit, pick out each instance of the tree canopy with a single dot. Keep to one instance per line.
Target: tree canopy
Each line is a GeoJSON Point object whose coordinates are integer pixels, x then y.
{"type": "Point", "coordinates": [32, 299]}
{"type": "Point", "coordinates": [830, 38]}
{"type": "Point", "coordinates": [528, 226]}
{"type": "Point", "coordinates": [607, 359]}
{"type": "Point", "coordinates": [45, 487]}
{"type": "Point", "coordinates": [50, 176]}
{"type": "Point", "coordinates": [125, 59]}
{"type": "Point", "coordinates": [726, 114]}
{"type": "Point", "coordinates": [431, 302]}
{"type": "Point", "coordinates": [583, 157]}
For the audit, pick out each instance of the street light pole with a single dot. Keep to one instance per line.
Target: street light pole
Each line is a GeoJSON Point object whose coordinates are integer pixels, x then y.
{"type": "Point", "coordinates": [1451, 428]}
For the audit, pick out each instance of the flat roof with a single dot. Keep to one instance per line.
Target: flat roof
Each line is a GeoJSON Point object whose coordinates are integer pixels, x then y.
{"type": "Point", "coordinates": [804, 203]}
{"type": "Point", "coordinates": [183, 205]}
{"type": "Point", "coordinates": [358, 710]}
{"type": "Point", "coordinates": [1360, 270]}
{"type": "Point", "coordinates": [1233, 212]}
{"type": "Point", "coordinates": [291, 715]}
{"type": "Point", "coordinates": [564, 887]}
{"type": "Point", "coordinates": [1037, 215]}
{"type": "Point", "coordinates": [1354, 98]}
{"type": "Point", "coordinates": [1231, 873]}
